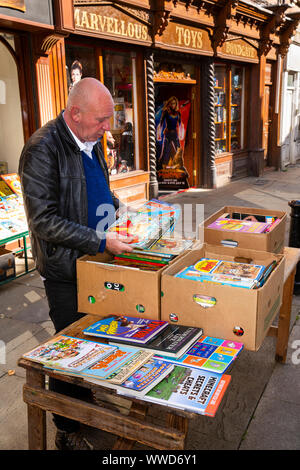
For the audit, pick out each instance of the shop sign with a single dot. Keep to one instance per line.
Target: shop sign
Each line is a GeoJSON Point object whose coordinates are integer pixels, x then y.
{"type": "Point", "coordinates": [110, 22]}
{"type": "Point", "coordinates": [186, 38]}
{"type": "Point", "coordinates": [14, 4]}
{"type": "Point", "coordinates": [240, 49]}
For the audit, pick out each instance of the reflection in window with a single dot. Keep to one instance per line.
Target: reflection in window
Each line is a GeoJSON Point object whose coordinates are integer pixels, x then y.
{"type": "Point", "coordinates": [118, 77]}
{"type": "Point", "coordinates": [80, 63]}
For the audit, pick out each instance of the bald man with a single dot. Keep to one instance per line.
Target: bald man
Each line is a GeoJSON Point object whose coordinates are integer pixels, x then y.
{"type": "Point", "coordinates": [69, 206]}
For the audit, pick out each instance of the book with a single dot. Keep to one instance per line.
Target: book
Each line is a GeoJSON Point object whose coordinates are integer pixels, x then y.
{"type": "Point", "coordinates": [147, 224]}
{"type": "Point", "coordinates": [145, 378]}
{"type": "Point", "coordinates": [122, 373]}
{"type": "Point", "coordinates": [171, 246]}
{"type": "Point", "coordinates": [13, 181]}
{"type": "Point", "coordinates": [68, 353]}
{"type": "Point", "coordinates": [232, 273]}
{"type": "Point", "coordinates": [210, 354]}
{"type": "Point", "coordinates": [108, 365]}
{"type": "Point", "coordinates": [124, 328]}
{"type": "Point", "coordinates": [190, 390]}
{"type": "Point", "coordinates": [173, 341]}
{"type": "Point", "coordinates": [234, 225]}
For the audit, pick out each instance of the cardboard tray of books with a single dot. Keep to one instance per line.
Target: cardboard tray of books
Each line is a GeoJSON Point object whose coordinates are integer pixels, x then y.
{"type": "Point", "coordinates": [225, 311]}
{"type": "Point", "coordinates": [266, 232]}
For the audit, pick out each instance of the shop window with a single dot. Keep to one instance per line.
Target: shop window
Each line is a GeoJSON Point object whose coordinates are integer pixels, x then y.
{"type": "Point", "coordinates": [119, 77]}
{"type": "Point", "coordinates": [229, 102]}
{"type": "Point", "coordinates": [80, 63]}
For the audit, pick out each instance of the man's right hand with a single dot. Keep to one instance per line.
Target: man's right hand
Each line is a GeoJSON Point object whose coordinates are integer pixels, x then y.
{"type": "Point", "coordinates": [118, 244]}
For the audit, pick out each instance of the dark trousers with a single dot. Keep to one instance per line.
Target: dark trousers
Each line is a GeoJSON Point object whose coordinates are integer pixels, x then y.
{"type": "Point", "coordinates": [62, 300]}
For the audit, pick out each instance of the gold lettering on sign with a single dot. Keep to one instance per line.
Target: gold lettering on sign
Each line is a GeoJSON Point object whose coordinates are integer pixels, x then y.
{"type": "Point", "coordinates": [14, 4]}
{"type": "Point", "coordinates": [110, 25]}
{"type": "Point", "coordinates": [188, 37]}
{"type": "Point", "coordinates": [244, 50]}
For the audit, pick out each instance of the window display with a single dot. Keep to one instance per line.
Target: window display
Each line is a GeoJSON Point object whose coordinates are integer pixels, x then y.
{"type": "Point", "coordinates": [118, 77]}
{"type": "Point", "coordinates": [228, 88]}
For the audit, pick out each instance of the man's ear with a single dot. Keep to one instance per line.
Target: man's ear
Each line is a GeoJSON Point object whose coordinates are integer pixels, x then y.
{"type": "Point", "coordinates": [75, 113]}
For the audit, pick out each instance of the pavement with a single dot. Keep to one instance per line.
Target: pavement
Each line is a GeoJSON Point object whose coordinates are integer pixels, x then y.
{"type": "Point", "coordinates": [261, 408]}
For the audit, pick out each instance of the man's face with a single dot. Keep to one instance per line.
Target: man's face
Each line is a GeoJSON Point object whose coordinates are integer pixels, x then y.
{"type": "Point", "coordinates": [76, 76]}
{"type": "Point", "coordinates": [95, 121]}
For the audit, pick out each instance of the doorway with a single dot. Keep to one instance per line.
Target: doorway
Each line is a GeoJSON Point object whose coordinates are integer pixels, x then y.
{"type": "Point", "coordinates": [11, 125]}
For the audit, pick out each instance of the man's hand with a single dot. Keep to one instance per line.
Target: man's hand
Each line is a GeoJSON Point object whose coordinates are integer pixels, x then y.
{"type": "Point", "coordinates": [118, 244]}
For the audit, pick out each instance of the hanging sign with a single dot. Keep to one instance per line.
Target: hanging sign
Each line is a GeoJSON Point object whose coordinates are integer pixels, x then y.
{"type": "Point", "coordinates": [14, 4]}
{"type": "Point", "coordinates": [106, 20]}
{"type": "Point", "coordinates": [239, 50]}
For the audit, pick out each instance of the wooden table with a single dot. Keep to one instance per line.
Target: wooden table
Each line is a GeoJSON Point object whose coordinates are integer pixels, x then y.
{"type": "Point", "coordinates": [133, 427]}
{"type": "Point", "coordinates": [282, 331]}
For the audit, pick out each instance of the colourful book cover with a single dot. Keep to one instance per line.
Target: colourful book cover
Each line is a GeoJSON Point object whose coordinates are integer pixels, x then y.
{"type": "Point", "coordinates": [67, 353]}
{"type": "Point", "coordinates": [190, 389]}
{"type": "Point", "coordinates": [124, 328]}
{"type": "Point", "coordinates": [13, 181]}
{"type": "Point", "coordinates": [171, 246]}
{"type": "Point", "coordinates": [136, 362]}
{"type": "Point", "coordinates": [5, 190]}
{"type": "Point", "coordinates": [105, 367]}
{"type": "Point", "coordinates": [145, 378]}
{"type": "Point", "coordinates": [209, 353]}
{"type": "Point", "coordinates": [234, 225]}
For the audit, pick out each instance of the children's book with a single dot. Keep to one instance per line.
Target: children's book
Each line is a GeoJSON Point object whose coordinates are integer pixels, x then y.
{"type": "Point", "coordinates": [70, 354]}
{"type": "Point", "coordinates": [190, 389]}
{"type": "Point", "coordinates": [209, 353]}
{"type": "Point", "coordinates": [145, 378]}
{"type": "Point", "coordinates": [124, 328]}
{"type": "Point", "coordinates": [147, 224]}
{"type": "Point", "coordinates": [13, 181]}
{"type": "Point", "coordinates": [234, 225]}
{"type": "Point", "coordinates": [224, 272]}
{"type": "Point", "coordinates": [173, 341]}
{"type": "Point", "coordinates": [5, 190]}
{"type": "Point", "coordinates": [107, 367]}
{"type": "Point", "coordinates": [171, 246]}
{"type": "Point", "coordinates": [136, 362]}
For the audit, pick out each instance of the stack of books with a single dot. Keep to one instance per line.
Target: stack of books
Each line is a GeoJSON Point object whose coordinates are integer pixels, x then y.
{"type": "Point", "coordinates": [12, 214]}
{"type": "Point", "coordinates": [157, 256]}
{"type": "Point", "coordinates": [162, 363]}
{"type": "Point", "coordinates": [244, 226]}
{"type": "Point", "coordinates": [148, 224]}
{"type": "Point", "coordinates": [232, 273]}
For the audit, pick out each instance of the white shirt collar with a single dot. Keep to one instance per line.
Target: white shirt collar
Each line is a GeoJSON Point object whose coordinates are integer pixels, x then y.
{"type": "Point", "coordinates": [86, 147]}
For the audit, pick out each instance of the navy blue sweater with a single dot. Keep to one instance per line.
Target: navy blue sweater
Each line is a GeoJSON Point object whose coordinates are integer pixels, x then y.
{"type": "Point", "coordinates": [101, 211]}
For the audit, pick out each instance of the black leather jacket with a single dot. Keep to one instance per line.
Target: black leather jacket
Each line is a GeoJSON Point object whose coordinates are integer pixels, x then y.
{"type": "Point", "coordinates": [55, 200]}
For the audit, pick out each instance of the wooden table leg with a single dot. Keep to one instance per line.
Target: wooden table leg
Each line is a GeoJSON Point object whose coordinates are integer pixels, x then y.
{"type": "Point", "coordinates": [36, 416]}
{"type": "Point", "coordinates": [178, 422]}
{"type": "Point", "coordinates": [284, 319]}
{"type": "Point", "coordinates": [137, 411]}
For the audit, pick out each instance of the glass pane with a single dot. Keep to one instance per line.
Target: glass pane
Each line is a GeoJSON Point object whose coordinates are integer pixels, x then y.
{"type": "Point", "coordinates": [236, 97]}
{"type": "Point", "coordinates": [220, 108]}
{"type": "Point", "coordinates": [80, 63]}
{"type": "Point", "coordinates": [118, 77]}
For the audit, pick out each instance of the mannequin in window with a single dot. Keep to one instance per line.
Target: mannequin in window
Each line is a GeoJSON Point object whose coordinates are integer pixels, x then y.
{"type": "Point", "coordinates": [126, 147]}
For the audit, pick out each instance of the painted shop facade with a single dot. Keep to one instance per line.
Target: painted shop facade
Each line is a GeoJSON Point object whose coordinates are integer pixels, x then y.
{"type": "Point", "coordinates": [196, 84]}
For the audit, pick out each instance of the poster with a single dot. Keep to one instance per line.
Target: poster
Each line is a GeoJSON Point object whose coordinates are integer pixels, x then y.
{"type": "Point", "coordinates": [171, 121]}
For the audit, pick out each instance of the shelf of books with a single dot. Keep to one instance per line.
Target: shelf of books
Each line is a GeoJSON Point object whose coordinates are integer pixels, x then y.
{"type": "Point", "coordinates": [220, 109]}
{"type": "Point", "coordinates": [236, 108]}
{"type": "Point", "coordinates": [13, 230]}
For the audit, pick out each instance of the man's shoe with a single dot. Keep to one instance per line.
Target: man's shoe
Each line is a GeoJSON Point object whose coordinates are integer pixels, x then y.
{"type": "Point", "coordinates": [71, 441]}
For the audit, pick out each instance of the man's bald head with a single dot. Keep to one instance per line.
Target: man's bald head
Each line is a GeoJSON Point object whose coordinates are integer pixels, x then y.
{"type": "Point", "coordinates": [89, 108]}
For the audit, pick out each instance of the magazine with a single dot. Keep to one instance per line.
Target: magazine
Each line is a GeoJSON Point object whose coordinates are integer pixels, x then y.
{"type": "Point", "coordinates": [224, 272]}
{"type": "Point", "coordinates": [191, 390]}
{"type": "Point", "coordinates": [173, 341]}
{"type": "Point", "coordinates": [147, 224]}
{"type": "Point", "coordinates": [13, 181]}
{"type": "Point", "coordinates": [68, 353]}
{"type": "Point", "coordinates": [234, 225]}
{"type": "Point", "coordinates": [122, 328]}
{"type": "Point", "coordinates": [209, 353]}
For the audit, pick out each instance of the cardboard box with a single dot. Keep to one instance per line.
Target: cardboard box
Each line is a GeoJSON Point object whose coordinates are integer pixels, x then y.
{"type": "Point", "coordinates": [233, 313]}
{"type": "Point", "coordinates": [272, 241]}
{"type": "Point", "coordinates": [7, 264]}
{"type": "Point", "coordinates": [111, 289]}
